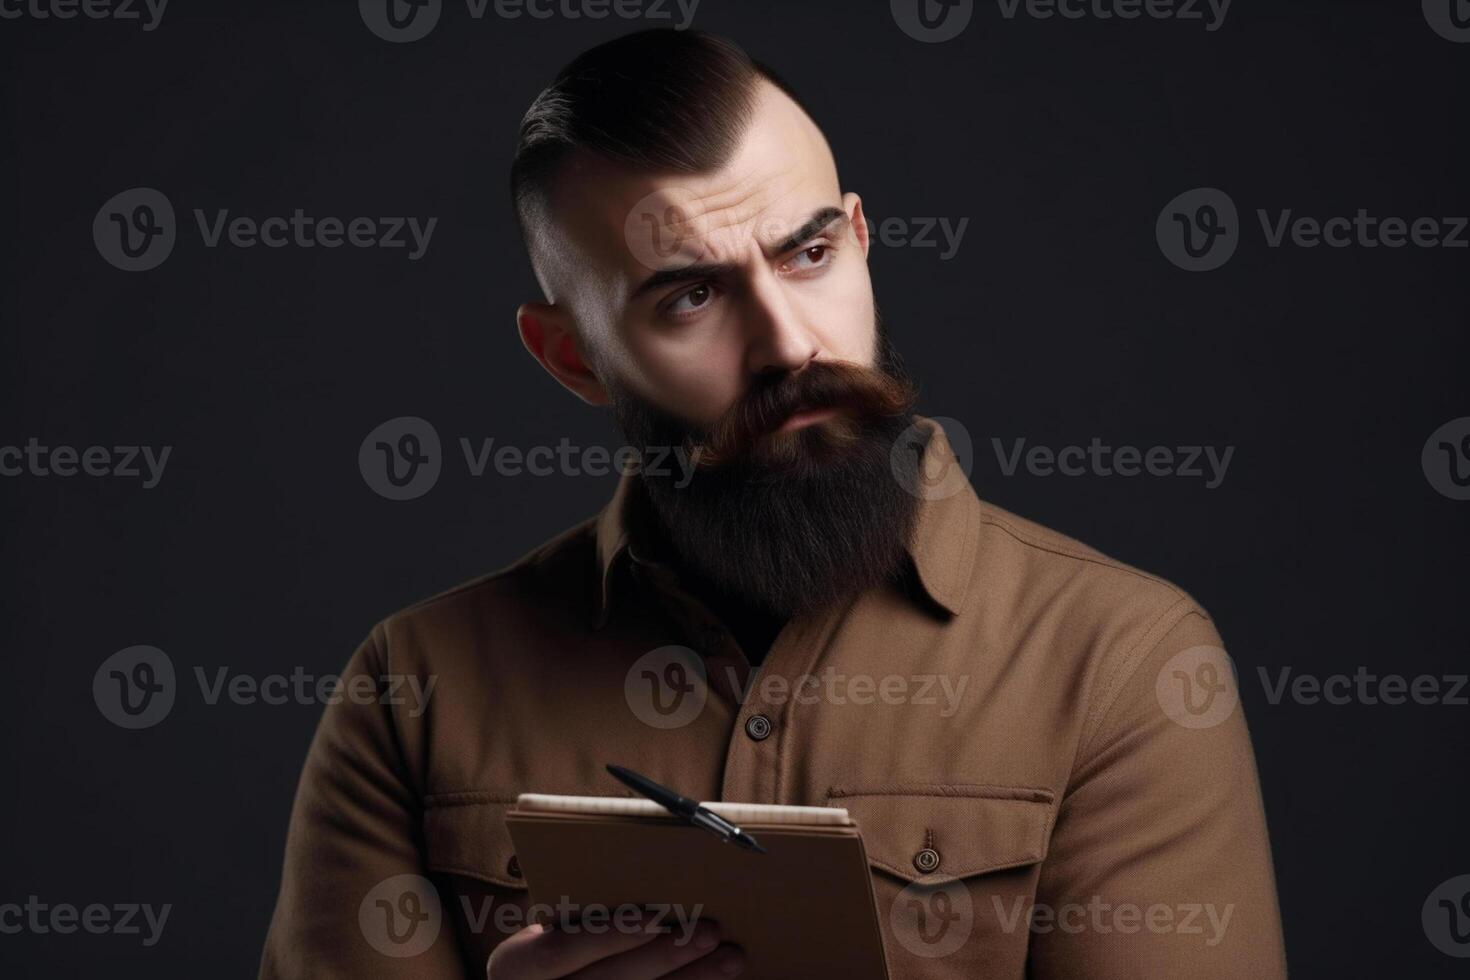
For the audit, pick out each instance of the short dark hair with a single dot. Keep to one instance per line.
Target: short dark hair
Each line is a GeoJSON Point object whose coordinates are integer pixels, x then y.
{"type": "Point", "coordinates": [658, 101]}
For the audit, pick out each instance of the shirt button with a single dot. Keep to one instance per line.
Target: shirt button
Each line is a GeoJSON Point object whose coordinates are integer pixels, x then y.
{"type": "Point", "coordinates": [758, 727]}
{"type": "Point", "coordinates": [926, 860]}
{"type": "Point", "coordinates": [513, 867]}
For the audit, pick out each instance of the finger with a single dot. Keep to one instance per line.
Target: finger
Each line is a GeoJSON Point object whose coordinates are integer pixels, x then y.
{"type": "Point", "coordinates": [502, 959]}
{"type": "Point", "coordinates": [659, 958]}
{"type": "Point", "coordinates": [540, 953]}
{"type": "Point", "coordinates": [725, 962]}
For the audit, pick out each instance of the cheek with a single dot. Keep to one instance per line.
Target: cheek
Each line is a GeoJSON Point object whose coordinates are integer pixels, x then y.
{"type": "Point", "coordinates": [840, 310]}
{"type": "Point", "coordinates": [696, 376]}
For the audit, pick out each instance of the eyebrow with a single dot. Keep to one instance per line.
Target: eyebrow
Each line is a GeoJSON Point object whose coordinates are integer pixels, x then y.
{"type": "Point", "coordinates": [820, 220]}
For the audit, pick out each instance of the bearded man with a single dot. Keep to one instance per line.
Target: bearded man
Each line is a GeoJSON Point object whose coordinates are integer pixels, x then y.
{"type": "Point", "coordinates": [1041, 743]}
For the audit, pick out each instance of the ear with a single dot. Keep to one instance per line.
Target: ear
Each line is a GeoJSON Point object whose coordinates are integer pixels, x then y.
{"type": "Point", "coordinates": [550, 335]}
{"type": "Point", "coordinates": [853, 205]}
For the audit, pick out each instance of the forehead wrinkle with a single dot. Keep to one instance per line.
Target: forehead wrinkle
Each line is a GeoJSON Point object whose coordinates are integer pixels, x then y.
{"type": "Point", "coordinates": [782, 154]}
{"type": "Point", "coordinates": [744, 209]}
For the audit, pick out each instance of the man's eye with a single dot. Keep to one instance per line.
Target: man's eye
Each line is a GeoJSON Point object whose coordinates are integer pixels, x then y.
{"type": "Point", "coordinates": [693, 300]}
{"type": "Point", "coordinates": [811, 257]}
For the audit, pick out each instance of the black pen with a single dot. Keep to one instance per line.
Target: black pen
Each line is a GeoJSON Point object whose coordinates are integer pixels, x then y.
{"type": "Point", "coordinates": [685, 808]}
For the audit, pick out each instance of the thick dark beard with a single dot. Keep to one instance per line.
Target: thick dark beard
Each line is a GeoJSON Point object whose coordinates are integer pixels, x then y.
{"type": "Point", "coordinates": [801, 527]}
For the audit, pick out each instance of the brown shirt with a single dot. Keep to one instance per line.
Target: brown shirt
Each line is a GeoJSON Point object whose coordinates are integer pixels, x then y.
{"type": "Point", "coordinates": [1042, 747]}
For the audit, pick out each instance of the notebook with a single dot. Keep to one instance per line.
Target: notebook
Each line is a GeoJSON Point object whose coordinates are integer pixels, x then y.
{"type": "Point", "coordinates": [803, 909]}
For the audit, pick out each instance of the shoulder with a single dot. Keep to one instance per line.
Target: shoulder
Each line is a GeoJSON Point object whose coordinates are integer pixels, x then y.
{"type": "Point", "coordinates": [1109, 625]}
{"type": "Point", "coordinates": [1034, 563]}
{"type": "Point", "coordinates": [555, 585]}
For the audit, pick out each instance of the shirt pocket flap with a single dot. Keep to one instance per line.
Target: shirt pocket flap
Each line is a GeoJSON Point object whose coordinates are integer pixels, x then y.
{"type": "Point", "coordinates": [926, 832]}
{"type": "Point", "coordinates": [465, 834]}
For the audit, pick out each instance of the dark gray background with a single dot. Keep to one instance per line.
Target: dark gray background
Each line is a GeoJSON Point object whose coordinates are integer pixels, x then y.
{"type": "Point", "coordinates": [262, 549]}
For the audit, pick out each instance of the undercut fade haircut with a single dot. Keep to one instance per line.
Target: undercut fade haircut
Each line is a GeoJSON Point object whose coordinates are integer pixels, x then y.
{"type": "Point", "coordinates": [660, 101]}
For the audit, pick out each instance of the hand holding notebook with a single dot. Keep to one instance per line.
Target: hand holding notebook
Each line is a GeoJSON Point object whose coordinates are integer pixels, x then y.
{"type": "Point", "coordinates": [803, 909]}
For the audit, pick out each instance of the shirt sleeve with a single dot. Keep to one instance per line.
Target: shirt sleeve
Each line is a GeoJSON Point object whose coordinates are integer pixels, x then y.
{"type": "Point", "coordinates": [1159, 863]}
{"type": "Point", "coordinates": [355, 900]}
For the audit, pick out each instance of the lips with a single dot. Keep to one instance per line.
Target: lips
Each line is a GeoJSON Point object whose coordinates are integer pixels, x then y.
{"type": "Point", "coordinates": [805, 417]}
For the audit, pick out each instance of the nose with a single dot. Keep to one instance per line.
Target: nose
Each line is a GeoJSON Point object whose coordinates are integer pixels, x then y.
{"type": "Point", "coordinates": [778, 339]}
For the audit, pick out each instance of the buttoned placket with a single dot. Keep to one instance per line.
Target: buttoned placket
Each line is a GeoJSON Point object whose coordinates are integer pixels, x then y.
{"type": "Point", "coordinates": [765, 710]}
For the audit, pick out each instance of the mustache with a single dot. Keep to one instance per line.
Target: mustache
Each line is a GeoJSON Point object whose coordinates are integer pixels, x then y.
{"type": "Point", "coordinates": [857, 392]}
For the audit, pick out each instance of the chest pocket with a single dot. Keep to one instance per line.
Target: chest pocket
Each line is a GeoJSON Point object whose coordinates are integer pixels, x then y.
{"type": "Point", "coordinates": [469, 851]}
{"type": "Point", "coordinates": [464, 834]}
{"type": "Point", "coordinates": [954, 873]}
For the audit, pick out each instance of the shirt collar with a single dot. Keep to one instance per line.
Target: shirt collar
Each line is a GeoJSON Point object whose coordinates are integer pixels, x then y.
{"type": "Point", "coordinates": [942, 547]}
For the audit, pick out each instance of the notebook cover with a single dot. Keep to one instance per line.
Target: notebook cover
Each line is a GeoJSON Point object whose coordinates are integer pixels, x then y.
{"type": "Point", "coordinates": [804, 909]}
